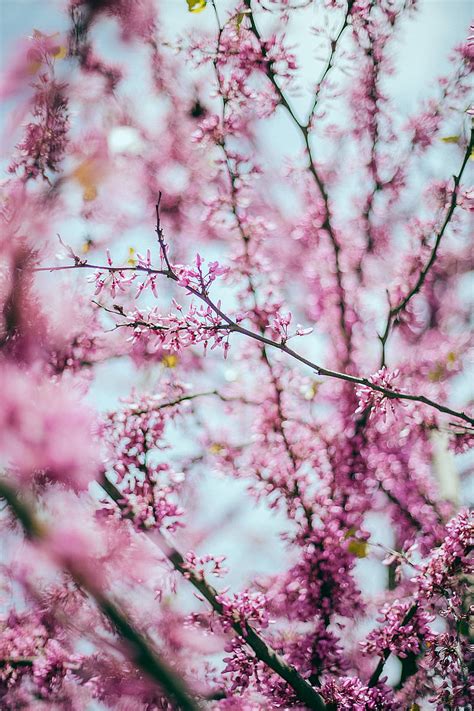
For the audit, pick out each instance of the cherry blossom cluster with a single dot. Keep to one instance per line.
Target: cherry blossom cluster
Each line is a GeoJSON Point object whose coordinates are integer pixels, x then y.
{"type": "Point", "coordinates": [134, 435]}
{"type": "Point", "coordinates": [200, 564]}
{"type": "Point", "coordinates": [351, 693]}
{"type": "Point", "coordinates": [242, 609]}
{"type": "Point", "coordinates": [443, 574]}
{"type": "Point", "coordinates": [377, 402]}
{"type": "Point", "coordinates": [402, 631]}
{"type": "Point", "coordinates": [179, 330]}
{"type": "Point", "coordinates": [196, 278]}
{"type": "Point", "coordinates": [43, 146]}
{"type": "Point", "coordinates": [30, 652]}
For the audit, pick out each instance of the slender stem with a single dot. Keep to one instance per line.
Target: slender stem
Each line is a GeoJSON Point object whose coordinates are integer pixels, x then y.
{"type": "Point", "coordinates": [303, 689]}
{"type": "Point", "coordinates": [193, 396]}
{"type": "Point", "coordinates": [161, 238]}
{"type": "Point", "coordinates": [138, 648]}
{"type": "Point", "coordinates": [305, 133]}
{"type": "Point", "coordinates": [396, 310]}
{"type": "Point", "coordinates": [86, 265]}
{"type": "Point", "coordinates": [234, 327]}
{"type": "Point", "coordinates": [294, 492]}
{"type": "Point", "coordinates": [330, 62]}
{"type": "Point", "coordinates": [386, 652]}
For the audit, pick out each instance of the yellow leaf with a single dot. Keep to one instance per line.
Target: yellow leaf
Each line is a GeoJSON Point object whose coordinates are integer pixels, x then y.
{"type": "Point", "coordinates": [131, 261]}
{"type": "Point", "coordinates": [86, 246]}
{"type": "Point", "coordinates": [435, 375]}
{"type": "Point", "coordinates": [414, 707]}
{"type": "Point", "coordinates": [170, 360]}
{"type": "Point", "coordinates": [90, 193]}
{"type": "Point", "coordinates": [87, 175]}
{"type": "Point", "coordinates": [312, 390]}
{"type": "Point", "coordinates": [451, 139]}
{"type": "Point", "coordinates": [240, 16]}
{"type": "Point", "coordinates": [59, 52]}
{"type": "Point", "coordinates": [196, 5]}
{"type": "Point", "coordinates": [216, 448]}
{"type": "Point", "coordinates": [350, 533]}
{"type": "Point", "coordinates": [358, 548]}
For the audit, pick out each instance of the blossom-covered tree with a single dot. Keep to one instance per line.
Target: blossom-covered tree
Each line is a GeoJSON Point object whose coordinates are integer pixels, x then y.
{"type": "Point", "coordinates": [234, 404]}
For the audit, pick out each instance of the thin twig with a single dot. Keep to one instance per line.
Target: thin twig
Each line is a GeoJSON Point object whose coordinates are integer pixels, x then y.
{"type": "Point", "coordinates": [396, 310]}
{"type": "Point", "coordinates": [161, 238]}
{"type": "Point", "coordinates": [294, 492]}
{"type": "Point", "coordinates": [233, 326]}
{"type": "Point", "coordinates": [305, 133]}
{"type": "Point", "coordinates": [330, 62]}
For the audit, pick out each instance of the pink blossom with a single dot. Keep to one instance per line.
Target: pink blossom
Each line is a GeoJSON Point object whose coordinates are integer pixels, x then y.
{"type": "Point", "coordinates": [398, 636]}
{"type": "Point", "coordinates": [43, 147]}
{"type": "Point", "coordinates": [378, 402]}
{"type": "Point", "coordinates": [196, 277]}
{"type": "Point", "coordinates": [149, 488]}
{"type": "Point", "coordinates": [46, 433]}
{"type": "Point", "coordinates": [257, 190]}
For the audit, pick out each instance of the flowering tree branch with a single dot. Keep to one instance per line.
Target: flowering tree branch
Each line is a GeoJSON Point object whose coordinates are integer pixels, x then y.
{"type": "Point", "coordinates": [139, 649]}
{"type": "Point", "coordinates": [305, 131]}
{"type": "Point", "coordinates": [245, 236]}
{"type": "Point", "coordinates": [375, 676]}
{"type": "Point", "coordinates": [232, 326]}
{"type": "Point", "coordinates": [324, 222]}
{"type": "Point", "coordinates": [395, 311]}
{"type": "Point", "coordinates": [330, 62]}
{"type": "Point", "coordinates": [263, 651]}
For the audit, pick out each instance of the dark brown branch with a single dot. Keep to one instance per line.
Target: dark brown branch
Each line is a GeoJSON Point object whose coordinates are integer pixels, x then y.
{"type": "Point", "coordinates": [330, 62]}
{"type": "Point", "coordinates": [295, 491]}
{"type": "Point", "coordinates": [161, 238]}
{"type": "Point", "coordinates": [237, 328]}
{"type": "Point", "coordinates": [85, 265]}
{"type": "Point", "coordinates": [16, 662]}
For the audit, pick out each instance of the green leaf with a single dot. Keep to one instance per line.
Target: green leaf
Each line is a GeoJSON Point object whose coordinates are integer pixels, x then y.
{"type": "Point", "coordinates": [350, 533]}
{"type": "Point", "coordinates": [240, 16]}
{"type": "Point", "coordinates": [358, 548]}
